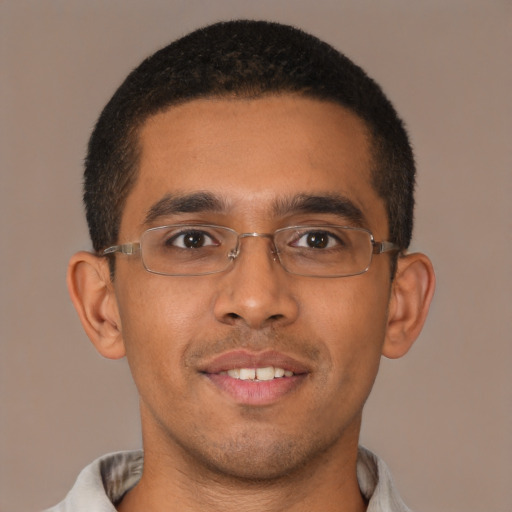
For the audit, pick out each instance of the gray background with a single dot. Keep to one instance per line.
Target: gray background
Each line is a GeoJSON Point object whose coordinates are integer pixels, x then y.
{"type": "Point", "coordinates": [442, 416]}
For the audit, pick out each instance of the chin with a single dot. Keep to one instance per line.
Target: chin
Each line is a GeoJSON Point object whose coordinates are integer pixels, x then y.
{"type": "Point", "coordinates": [257, 458]}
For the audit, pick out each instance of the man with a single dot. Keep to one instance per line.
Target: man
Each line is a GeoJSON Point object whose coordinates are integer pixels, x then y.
{"type": "Point", "coordinates": [249, 194]}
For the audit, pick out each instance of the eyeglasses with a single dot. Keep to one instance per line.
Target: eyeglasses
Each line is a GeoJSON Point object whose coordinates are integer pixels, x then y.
{"type": "Point", "coordinates": [202, 249]}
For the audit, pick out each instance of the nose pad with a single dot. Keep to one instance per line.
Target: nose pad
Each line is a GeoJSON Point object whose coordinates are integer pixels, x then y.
{"type": "Point", "coordinates": [234, 253]}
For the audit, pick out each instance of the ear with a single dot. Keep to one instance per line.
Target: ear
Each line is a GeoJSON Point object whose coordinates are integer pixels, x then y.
{"type": "Point", "coordinates": [411, 294]}
{"type": "Point", "coordinates": [92, 292]}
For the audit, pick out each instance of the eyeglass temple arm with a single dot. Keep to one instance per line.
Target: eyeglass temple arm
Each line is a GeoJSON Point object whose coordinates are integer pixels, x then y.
{"type": "Point", "coordinates": [123, 249]}
{"type": "Point", "coordinates": [380, 247]}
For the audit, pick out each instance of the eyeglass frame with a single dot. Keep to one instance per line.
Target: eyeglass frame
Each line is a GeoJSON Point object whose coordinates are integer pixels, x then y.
{"type": "Point", "coordinates": [132, 248]}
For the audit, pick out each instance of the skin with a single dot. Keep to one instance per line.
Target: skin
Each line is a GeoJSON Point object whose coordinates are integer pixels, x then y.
{"type": "Point", "coordinates": [204, 449]}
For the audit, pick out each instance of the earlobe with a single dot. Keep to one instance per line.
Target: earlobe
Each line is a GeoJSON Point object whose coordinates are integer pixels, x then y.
{"type": "Point", "coordinates": [411, 295]}
{"type": "Point", "coordinates": [92, 293]}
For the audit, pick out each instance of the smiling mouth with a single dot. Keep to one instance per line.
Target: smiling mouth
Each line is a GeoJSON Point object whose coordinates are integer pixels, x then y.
{"type": "Point", "coordinates": [255, 379]}
{"type": "Point", "coordinates": [258, 374]}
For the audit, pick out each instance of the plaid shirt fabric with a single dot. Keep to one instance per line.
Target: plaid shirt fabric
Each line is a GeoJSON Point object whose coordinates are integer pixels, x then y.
{"type": "Point", "coordinates": [103, 483]}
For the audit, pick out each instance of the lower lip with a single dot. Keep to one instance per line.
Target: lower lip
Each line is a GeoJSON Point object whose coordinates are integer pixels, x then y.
{"type": "Point", "coordinates": [249, 392]}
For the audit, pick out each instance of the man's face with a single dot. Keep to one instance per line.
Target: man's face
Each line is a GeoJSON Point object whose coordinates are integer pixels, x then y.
{"type": "Point", "coordinates": [259, 159]}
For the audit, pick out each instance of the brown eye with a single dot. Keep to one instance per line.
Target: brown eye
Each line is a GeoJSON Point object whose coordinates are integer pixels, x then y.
{"type": "Point", "coordinates": [317, 240]}
{"type": "Point", "coordinates": [191, 240]}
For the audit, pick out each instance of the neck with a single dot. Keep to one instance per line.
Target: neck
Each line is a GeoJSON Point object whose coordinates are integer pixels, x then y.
{"type": "Point", "coordinates": [174, 481]}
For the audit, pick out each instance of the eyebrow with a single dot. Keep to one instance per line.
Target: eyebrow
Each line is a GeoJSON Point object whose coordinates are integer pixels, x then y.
{"type": "Point", "coordinates": [172, 204]}
{"type": "Point", "coordinates": [334, 204]}
{"type": "Point", "coordinates": [206, 202]}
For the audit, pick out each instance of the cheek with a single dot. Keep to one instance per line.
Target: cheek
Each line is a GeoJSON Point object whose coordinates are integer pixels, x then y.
{"type": "Point", "coordinates": [152, 303]}
{"type": "Point", "coordinates": [160, 317]}
{"type": "Point", "coordinates": [354, 327]}
{"type": "Point", "coordinates": [354, 307]}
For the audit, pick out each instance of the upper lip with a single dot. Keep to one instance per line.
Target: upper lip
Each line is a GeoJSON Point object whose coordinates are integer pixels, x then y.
{"type": "Point", "coordinates": [244, 359]}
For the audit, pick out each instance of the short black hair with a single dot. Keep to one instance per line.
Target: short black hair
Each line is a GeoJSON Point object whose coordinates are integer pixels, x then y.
{"type": "Point", "coordinates": [242, 59]}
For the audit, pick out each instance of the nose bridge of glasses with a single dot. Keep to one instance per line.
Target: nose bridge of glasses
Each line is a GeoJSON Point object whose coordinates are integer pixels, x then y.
{"type": "Point", "coordinates": [234, 253]}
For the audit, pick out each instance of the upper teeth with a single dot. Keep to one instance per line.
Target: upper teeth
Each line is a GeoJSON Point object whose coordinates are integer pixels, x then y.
{"type": "Point", "coordinates": [267, 373]}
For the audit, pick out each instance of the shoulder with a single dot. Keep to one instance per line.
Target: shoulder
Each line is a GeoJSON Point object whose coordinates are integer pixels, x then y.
{"type": "Point", "coordinates": [377, 485]}
{"type": "Point", "coordinates": [103, 483]}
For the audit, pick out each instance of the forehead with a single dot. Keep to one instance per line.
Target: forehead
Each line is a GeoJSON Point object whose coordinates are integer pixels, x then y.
{"type": "Point", "coordinates": [252, 154]}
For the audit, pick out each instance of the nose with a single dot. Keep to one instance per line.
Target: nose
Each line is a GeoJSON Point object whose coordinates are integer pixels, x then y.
{"type": "Point", "coordinates": [256, 290]}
